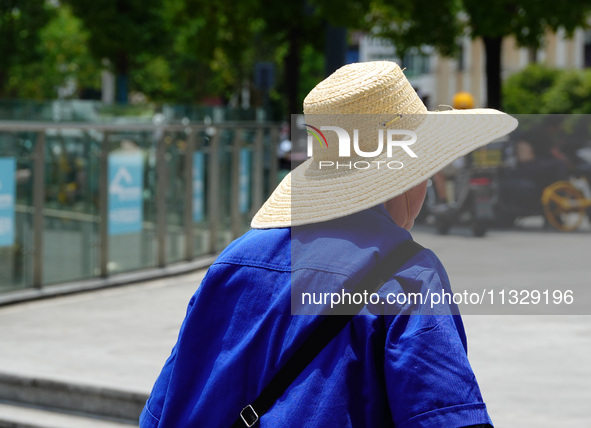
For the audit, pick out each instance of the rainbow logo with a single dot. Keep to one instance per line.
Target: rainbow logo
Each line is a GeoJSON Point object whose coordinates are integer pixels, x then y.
{"type": "Point", "coordinates": [316, 134]}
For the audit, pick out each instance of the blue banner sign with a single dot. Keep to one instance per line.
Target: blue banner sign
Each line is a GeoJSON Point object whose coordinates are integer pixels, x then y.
{"type": "Point", "coordinates": [198, 187]}
{"type": "Point", "coordinates": [7, 197]}
{"type": "Point", "coordinates": [244, 181]}
{"type": "Point", "coordinates": [126, 184]}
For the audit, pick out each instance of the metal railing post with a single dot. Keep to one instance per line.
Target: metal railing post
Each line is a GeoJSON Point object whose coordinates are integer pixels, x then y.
{"type": "Point", "coordinates": [188, 214]}
{"type": "Point", "coordinates": [104, 207]}
{"type": "Point", "coordinates": [273, 168]}
{"type": "Point", "coordinates": [257, 170]}
{"type": "Point", "coordinates": [213, 191]}
{"type": "Point", "coordinates": [235, 215]}
{"type": "Point", "coordinates": [161, 186]}
{"type": "Point", "coordinates": [38, 206]}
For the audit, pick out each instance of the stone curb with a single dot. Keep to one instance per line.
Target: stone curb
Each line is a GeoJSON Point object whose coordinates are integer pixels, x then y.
{"type": "Point", "coordinates": [83, 399]}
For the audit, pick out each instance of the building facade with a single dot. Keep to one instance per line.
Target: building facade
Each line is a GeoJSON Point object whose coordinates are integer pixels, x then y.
{"type": "Point", "coordinates": [437, 79]}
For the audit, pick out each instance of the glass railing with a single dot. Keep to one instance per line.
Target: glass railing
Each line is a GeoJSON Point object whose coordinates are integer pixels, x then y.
{"type": "Point", "coordinates": [85, 111]}
{"type": "Point", "coordinates": [85, 200]}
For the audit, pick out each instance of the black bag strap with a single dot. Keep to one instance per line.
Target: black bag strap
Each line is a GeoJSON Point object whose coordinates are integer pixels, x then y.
{"type": "Point", "coordinates": [328, 328]}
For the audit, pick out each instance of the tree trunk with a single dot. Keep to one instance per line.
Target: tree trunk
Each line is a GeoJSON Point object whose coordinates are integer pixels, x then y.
{"type": "Point", "coordinates": [532, 54]}
{"type": "Point", "coordinates": [335, 49]}
{"type": "Point", "coordinates": [121, 78]}
{"type": "Point", "coordinates": [3, 83]}
{"type": "Point", "coordinates": [292, 65]}
{"type": "Point", "coordinates": [492, 47]}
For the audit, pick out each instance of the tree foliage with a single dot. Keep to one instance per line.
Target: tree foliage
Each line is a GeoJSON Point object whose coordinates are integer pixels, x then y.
{"type": "Point", "coordinates": [123, 31]}
{"type": "Point", "coordinates": [183, 51]}
{"type": "Point", "coordinates": [20, 21]}
{"type": "Point", "coordinates": [540, 89]}
{"type": "Point", "coordinates": [524, 91]}
{"type": "Point", "coordinates": [571, 93]}
{"type": "Point", "coordinates": [64, 60]}
{"type": "Point", "coordinates": [526, 20]}
{"type": "Point", "coordinates": [408, 25]}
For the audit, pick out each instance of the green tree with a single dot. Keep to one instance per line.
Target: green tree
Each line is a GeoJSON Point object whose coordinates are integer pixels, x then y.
{"type": "Point", "coordinates": [123, 31]}
{"type": "Point", "coordinates": [63, 60]}
{"type": "Point", "coordinates": [299, 32]}
{"type": "Point", "coordinates": [292, 28]}
{"type": "Point", "coordinates": [214, 47]}
{"type": "Point", "coordinates": [524, 91]}
{"type": "Point", "coordinates": [408, 25]}
{"type": "Point", "coordinates": [526, 20]}
{"type": "Point", "coordinates": [211, 52]}
{"type": "Point", "coordinates": [571, 94]}
{"type": "Point", "coordinates": [538, 89]}
{"type": "Point", "coordinates": [217, 44]}
{"type": "Point", "coordinates": [20, 22]}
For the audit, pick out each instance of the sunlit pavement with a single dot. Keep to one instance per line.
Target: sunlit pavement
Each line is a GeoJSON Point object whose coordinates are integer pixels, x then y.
{"type": "Point", "coordinates": [533, 369]}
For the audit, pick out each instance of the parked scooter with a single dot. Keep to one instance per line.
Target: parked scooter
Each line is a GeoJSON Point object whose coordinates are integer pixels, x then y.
{"type": "Point", "coordinates": [473, 203]}
{"type": "Point", "coordinates": [473, 187]}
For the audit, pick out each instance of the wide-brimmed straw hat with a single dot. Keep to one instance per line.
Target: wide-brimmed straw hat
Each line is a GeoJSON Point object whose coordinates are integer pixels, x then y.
{"type": "Point", "coordinates": [368, 99]}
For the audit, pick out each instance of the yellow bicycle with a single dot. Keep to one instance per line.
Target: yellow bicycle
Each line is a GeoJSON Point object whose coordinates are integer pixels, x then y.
{"type": "Point", "coordinates": [564, 205]}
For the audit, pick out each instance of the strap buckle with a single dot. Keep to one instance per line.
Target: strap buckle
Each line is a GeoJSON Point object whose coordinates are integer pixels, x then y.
{"type": "Point", "coordinates": [249, 416]}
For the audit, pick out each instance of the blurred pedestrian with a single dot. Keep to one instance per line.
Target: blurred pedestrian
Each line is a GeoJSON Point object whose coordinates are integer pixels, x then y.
{"type": "Point", "coordinates": [539, 155]}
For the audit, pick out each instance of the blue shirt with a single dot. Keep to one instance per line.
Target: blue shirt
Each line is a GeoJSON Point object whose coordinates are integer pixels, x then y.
{"type": "Point", "coordinates": [407, 368]}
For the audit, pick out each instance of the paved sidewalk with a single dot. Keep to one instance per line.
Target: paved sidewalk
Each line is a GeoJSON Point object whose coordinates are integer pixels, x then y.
{"type": "Point", "coordinates": [533, 370]}
{"type": "Point", "coordinates": [116, 338]}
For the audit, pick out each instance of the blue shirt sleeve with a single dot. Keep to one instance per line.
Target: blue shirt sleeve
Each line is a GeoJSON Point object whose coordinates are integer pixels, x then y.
{"type": "Point", "coordinates": [429, 380]}
{"type": "Point", "coordinates": [150, 416]}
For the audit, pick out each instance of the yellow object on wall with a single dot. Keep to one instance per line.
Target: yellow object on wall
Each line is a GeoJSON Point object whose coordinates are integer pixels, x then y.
{"type": "Point", "coordinates": [463, 100]}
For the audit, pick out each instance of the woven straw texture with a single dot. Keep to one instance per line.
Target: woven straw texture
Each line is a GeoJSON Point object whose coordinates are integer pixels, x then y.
{"type": "Point", "coordinates": [370, 97]}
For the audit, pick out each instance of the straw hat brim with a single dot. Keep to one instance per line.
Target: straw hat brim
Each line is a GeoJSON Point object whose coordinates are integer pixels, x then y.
{"type": "Point", "coordinates": [303, 198]}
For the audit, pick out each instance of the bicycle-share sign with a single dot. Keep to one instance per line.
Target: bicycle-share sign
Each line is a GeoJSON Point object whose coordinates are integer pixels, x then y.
{"type": "Point", "coordinates": [126, 171]}
{"type": "Point", "coordinates": [244, 181]}
{"type": "Point", "coordinates": [198, 187]}
{"type": "Point", "coordinates": [7, 196]}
